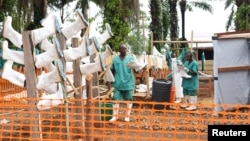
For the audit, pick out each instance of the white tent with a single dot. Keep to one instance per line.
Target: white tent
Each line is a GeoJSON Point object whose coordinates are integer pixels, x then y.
{"type": "Point", "coordinates": [231, 70]}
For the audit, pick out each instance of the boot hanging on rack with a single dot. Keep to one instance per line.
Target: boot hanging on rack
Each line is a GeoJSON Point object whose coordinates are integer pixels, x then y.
{"type": "Point", "coordinates": [49, 56]}
{"type": "Point", "coordinates": [50, 26]}
{"type": "Point", "coordinates": [13, 55]}
{"type": "Point", "coordinates": [10, 33]}
{"type": "Point", "coordinates": [92, 67]}
{"type": "Point", "coordinates": [47, 101]}
{"type": "Point", "coordinates": [72, 54]}
{"type": "Point", "coordinates": [13, 76]}
{"type": "Point", "coordinates": [74, 28]}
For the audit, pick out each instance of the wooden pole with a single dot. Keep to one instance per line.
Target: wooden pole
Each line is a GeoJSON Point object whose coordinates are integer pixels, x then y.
{"type": "Point", "coordinates": [62, 42]}
{"type": "Point", "coordinates": [143, 32]}
{"type": "Point", "coordinates": [31, 81]}
{"type": "Point", "coordinates": [152, 41]}
{"type": "Point", "coordinates": [89, 107]}
{"type": "Point", "coordinates": [77, 76]}
{"type": "Point", "coordinates": [95, 92]}
{"type": "Point", "coordinates": [191, 40]}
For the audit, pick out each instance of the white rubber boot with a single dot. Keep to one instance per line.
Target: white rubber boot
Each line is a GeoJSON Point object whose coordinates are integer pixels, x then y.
{"type": "Point", "coordinates": [183, 71]}
{"type": "Point", "coordinates": [75, 27]}
{"type": "Point", "coordinates": [51, 89]}
{"type": "Point", "coordinates": [45, 80]}
{"type": "Point", "coordinates": [13, 76]}
{"type": "Point", "coordinates": [69, 67]}
{"type": "Point", "coordinates": [47, 57]}
{"type": "Point", "coordinates": [136, 65]}
{"type": "Point", "coordinates": [85, 60]}
{"type": "Point", "coordinates": [10, 33]}
{"type": "Point", "coordinates": [92, 67]}
{"type": "Point", "coordinates": [13, 55]}
{"type": "Point", "coordinates": [94, 47]}
{"type": "Point", "coordinates": [185, 101]}
{"type": "Point", "coordinates": [129, 108]}
{"type": "Point", "coordinates": [108, 52]}
{"type": "Point", "coordinates": [48, 101]}
{"type": "Point", "coordinates": [46, 45]}
{"type": "Point", "coordinates": [115, 112]}
{"type": "Point", "coordinates": [51, 26]}
{"type": "Point", "coordinates": [50, 67]}
{"type": "Point", "coordinates": [193, 102]}
{"type": "Point", "coordinates": [184, 74]}
{"type": "Point", "coordinates": [107, 34]}
{"type": "Point", "coordinates": [108, 76]}
{"type": "Point", "coordinates": [72, 54]}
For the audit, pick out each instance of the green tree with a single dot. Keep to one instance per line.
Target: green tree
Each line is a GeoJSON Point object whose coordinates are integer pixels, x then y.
{"type": "Point", "coordinates": [135, 41]}
{"type": "Point", "coordinates": [40, 10]}
{"type": "Point", "coordinates": [9, 8]}
{"type": "Point", "coordinates": [165, 18]}
{"type": "Point", "coordinates": [243, 17]}
{"type": "Point", "coordinates": [229, 3]}
{"type": "Point", "coordinates": [122, 15]}
{"type": "Point", "coordinates": [114, 15]}
{"type": "Point", "coordinates": [240, 17]}
{"type": "Point", "coordinates": [156, 26]}
{"type": "Point", "coordinates": [23, 13]}
{"type": "Point", "coordinates": [173, 19]}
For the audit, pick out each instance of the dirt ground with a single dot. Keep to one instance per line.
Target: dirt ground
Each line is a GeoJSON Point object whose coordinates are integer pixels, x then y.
{"type": "Point", "coordinates": [146, 124]}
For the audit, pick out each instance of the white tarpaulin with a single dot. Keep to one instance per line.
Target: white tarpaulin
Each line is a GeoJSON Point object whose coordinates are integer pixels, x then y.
{"type": "Point", "coordinates": [231, 87]}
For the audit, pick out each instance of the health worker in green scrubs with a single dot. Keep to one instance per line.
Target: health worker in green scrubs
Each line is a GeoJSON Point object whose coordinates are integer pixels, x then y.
{"type": "Point", "coordinates": [190, 85]}
{"type": "Point", "coordinates": [124, 82]}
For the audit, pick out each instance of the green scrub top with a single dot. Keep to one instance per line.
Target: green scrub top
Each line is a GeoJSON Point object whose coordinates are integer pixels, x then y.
{"type": "Point", "coordinates": [193, 82]}
{"type": "Point", "coordinates": [124, 77]}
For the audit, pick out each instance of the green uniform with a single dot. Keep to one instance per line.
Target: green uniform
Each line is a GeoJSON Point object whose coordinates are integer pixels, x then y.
{"type": "Point", "coordinates": [191, 85]}
{"type": "Point", "coordinates": [124, 78]}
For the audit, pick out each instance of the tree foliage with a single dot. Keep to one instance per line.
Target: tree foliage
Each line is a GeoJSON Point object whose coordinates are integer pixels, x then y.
{"type": "Point", "coordinates": [122, 15]}
{"type": "Point", "coordinates": [135, 41]}
{"type": "Point", "coordinates": [120, 28]}
{"type": "Point", "coordinates": [165, 18]}
{"type": "Point", "coordinates": [8, 8]}
{"type": "Point", "coordinates": [173, 19]}
{"type": "Point", "coordinates": [243, 17]}
{"type": "Point", "coordinates": [156, 26]}
{"type": "Point", "coordinates": [239, 14]}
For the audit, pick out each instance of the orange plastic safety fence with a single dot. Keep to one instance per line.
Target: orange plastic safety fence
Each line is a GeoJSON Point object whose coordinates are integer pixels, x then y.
{"type": "Point", "coordinates": [7, 88]}
{"type": "Point", "coordinates": [149, 121]}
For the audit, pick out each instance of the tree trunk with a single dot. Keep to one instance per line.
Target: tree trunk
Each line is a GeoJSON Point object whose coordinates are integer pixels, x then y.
{"type": "Point", "coordinates": [173, 21]}
{"type": "Point", "coordinates": [183, 10]}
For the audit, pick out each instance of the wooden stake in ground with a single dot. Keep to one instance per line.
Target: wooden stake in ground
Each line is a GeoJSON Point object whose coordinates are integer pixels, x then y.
{"type": "Point", "coordinates": [31, 81]}
{"type": "Point", "coordinates": [66, 130]}
{"type": "Point", "coordinates": [78, 94]}
{"type": "Point", "coordinates": [89, 111]}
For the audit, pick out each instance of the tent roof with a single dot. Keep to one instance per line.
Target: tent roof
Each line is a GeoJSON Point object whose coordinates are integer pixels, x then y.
{"type": "Point", "coordinates": [237, 34]}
